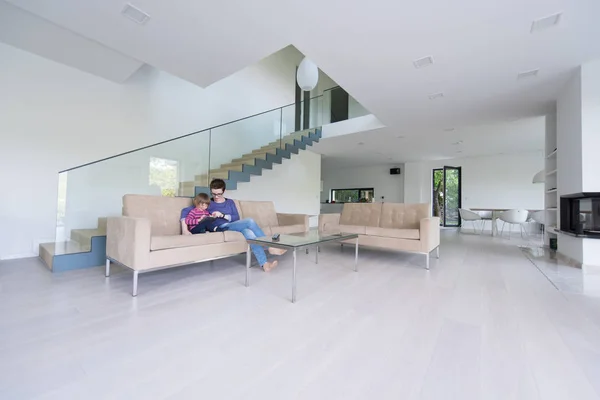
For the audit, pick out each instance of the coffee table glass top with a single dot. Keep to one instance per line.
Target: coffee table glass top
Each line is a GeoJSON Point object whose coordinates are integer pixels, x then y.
{"type": "Point", "coordinates": [303, 239]}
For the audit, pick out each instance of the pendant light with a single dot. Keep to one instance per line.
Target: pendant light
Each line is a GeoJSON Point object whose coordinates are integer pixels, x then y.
{"type": "Point", "coordinates": [540, 177]}
{"type": "Point", "coordinates": [307, 75]}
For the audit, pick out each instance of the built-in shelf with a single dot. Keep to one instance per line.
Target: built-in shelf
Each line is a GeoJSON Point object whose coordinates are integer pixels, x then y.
{"type": "Point", "coordinates": [551, 190]}
{"type": "Point", "coordinates": [551, 209]}
{"type": "Point", "coordinates": [552, 229]}
{"type": "Point", "coordinates": [551, 172]}
{"type": "Point", "coordinates": [552, 154]}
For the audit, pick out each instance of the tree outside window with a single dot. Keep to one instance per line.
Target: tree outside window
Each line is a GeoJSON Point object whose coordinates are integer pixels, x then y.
{"type": "Point", "coordinates": [165, 175]}
{"type": "Point", "coordinates": [352, 195]}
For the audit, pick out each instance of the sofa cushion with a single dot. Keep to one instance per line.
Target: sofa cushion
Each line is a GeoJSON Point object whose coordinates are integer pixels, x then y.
{"type": "Point", "coordinates": [299, 228]}
{"type": "Point", "coordinates": [403, 216]}
{"type": "Point", "coordinates": [361, 214]}
{"type": "Point", "coordinates": [263, 212]}
{"type": "Point", "coordinates": [394, 233]}
{"type": "Point", "coordinates": [176, 241]}
{"type": "Point", "coordinates": [163, 212]}
{"type": "Point", "coordinates": [361, 230]}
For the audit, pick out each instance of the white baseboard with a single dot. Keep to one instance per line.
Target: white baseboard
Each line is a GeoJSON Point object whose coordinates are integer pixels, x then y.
{"type": "Point", "coordinates": [17, 256]}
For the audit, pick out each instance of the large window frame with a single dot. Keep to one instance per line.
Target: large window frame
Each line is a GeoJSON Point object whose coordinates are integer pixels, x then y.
{"type": "Point", "coordinates": [360, 193]}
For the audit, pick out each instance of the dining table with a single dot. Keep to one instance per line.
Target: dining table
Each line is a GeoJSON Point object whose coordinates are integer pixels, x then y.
{"type": "Point", "coordinates": [492, 214]}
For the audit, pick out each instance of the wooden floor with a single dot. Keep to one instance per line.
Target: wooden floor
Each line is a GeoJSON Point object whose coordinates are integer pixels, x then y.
{"type": "Point", "coordinates": [483, 323]}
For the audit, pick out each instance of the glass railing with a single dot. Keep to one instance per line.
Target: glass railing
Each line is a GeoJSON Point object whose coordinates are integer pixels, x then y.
{"type": "Point", "coordinates": [338, 105]}
{"type": "Point", "coordinates": [89, 193]}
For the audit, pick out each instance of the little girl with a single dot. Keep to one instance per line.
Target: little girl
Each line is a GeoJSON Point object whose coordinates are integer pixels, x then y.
{"type": "Point", "coordinates": [201, 201]}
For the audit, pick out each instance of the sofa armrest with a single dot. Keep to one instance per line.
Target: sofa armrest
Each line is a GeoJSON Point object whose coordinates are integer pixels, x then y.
{"type": "Point", "coordinates": [329, 222]}
{"type": "Point", "coordinates": [429, 232]}
{"type": "Point", "coordinates": [293, 219]}
{"type": "Point", "coordinates": [128, 241]}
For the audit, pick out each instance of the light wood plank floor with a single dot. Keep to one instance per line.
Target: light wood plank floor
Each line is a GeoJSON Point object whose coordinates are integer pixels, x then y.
{"type": "Point", "coordinates": [483, 323]}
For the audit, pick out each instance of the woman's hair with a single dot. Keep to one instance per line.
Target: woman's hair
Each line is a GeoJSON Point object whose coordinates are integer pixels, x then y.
{"type": "Point", "coordinates": [217, 184]}
{"type": "Point", "coordinates": [201, 198]}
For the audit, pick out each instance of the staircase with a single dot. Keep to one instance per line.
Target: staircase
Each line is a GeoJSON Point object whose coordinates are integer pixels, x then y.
{"type": "Point", "coordinates": [87, 247]}
{"type": "Point", "coordinates": [241, 169]}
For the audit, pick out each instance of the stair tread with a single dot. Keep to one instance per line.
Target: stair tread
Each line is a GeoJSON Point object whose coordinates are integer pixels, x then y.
{"type": "Point", "coordinates": [67, 247]}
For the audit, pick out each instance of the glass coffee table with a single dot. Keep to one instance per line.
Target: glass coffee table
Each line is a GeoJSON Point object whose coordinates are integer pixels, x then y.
{"type": "Point", "coordinates": [298, 241]}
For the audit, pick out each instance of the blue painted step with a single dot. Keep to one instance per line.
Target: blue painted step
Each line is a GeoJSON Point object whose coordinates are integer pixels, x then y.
{"type": "Point", "coordinates": [96, 256]}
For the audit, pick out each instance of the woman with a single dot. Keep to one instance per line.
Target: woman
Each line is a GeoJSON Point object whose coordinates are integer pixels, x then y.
{"type": "Point", "coordinates": [221, 207]}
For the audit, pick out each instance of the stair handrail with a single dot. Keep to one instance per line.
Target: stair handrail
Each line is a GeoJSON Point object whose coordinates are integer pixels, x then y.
{"type": "Point", "coordinates": [186, 135]}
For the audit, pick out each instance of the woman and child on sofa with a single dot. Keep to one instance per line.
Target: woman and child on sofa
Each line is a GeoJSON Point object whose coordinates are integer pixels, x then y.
{"type": "Point", "coordinates": [221, 214]}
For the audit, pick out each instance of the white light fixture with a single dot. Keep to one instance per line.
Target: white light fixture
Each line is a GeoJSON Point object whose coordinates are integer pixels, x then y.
{"type": "Point", "coordinates": [528, 74]}
{"type": "Point", "coordinates": [135, 14]}
{"type": "Point", "coordinates": [540, 177]}
{"type": "Point", "coordinates": [434, 96]}
{"type": "Point", "coordinates": [423, 62]}
{"type": "Point", "coordinates": [307, 75]}
{"type": "Point", "coordinates": [546, 22]}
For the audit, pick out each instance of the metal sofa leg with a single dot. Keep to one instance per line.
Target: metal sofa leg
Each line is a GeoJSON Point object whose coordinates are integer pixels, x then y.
{"type": "Point", "coordinates": [107, 271]}
{"type": "Point", "coordinates": [426, 260]}
{"type": "Point", "coordinates": [437, 252]}
{"type": "Point", "coordinates": [135, 283]}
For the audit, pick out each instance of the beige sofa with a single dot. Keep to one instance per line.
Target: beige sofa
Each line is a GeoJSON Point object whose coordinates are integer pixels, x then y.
{"type": "Point", "coordinates": [394, 226]}
{"type": "Point", "coordinates": [148, 236]}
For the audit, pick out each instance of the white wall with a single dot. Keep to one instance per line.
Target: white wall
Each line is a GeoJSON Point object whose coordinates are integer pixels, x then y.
{"type": "Point", "coordinates": [54, 117]}
{"type": "Point", "coordinates": [293, 185]}
{"type": "Point", "coordinates": [500, 181]}
{"type": "Point", "coordinates": [568, 131]}
{"type": "Point", "coordinates": [590, 126]}
{"type": "Point", "coordinates": [377, 177]}
{"type": "Point", "coordinates": [578, 113]}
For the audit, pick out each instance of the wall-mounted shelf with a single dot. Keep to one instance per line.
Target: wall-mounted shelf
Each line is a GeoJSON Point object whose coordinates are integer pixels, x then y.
{"type": "Point", "coordinates": [551, 172]}
{"type": "Point", "coordinates": [552, 209]}
{"type": "Point", "coordinates": [552, 154]}
{"type": "Point", "coordinates": [551, 190]}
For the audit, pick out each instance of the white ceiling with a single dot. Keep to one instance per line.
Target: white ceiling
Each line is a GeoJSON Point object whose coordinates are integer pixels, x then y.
{"type": "Point", "coordinates": [383, 146]}
{"type": "Point", "coordinates": [479, 47]}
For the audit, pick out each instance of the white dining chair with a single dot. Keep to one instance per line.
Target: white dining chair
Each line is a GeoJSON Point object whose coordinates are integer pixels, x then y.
{"type": "Point", "coordinates": [514, 217]}
{"type": "Point", "coordinates": [540, 218]}
{"type": "Point", "coordinates": [469, 216]}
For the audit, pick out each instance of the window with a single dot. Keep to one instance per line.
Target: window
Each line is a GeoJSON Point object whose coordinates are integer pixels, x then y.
{"type": "Point", "coordinates": [352, 195]}
{"type": "Point", "coordinates": [164, 174]}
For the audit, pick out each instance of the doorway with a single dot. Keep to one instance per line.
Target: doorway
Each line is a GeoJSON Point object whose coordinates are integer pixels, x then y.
{"type": "Point", "coordinates": [446, 196]}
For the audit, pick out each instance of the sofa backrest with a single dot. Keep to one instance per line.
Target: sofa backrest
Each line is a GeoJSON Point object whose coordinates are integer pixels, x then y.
{"type": "Point", "coordinates": [263, 212]}
{"type": "Point", "coordinates": [403, 216]}
{"type": "Point", "coordinates": [361, 214]}
{"type": "Point", "coordinates": [163, 212]}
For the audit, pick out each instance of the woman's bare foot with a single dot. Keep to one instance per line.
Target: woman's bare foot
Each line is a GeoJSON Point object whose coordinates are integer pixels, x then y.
{"type": "Point", "coordinates": [276, 252]}
{"type": "Point", "coordinates": [269, 266]}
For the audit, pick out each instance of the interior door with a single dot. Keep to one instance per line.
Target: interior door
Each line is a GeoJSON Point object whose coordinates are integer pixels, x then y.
{"type": "Point", "coordinates": [452, 195]}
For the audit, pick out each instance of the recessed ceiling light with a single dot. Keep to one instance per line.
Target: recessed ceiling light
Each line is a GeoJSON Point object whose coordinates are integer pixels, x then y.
{"type": "Point", "coordinates": [528, 74]}
{"type": "Point", "coordinates": [135, 14]}
{"type": "Point", "coordinates": [448, 129]}
{"type": "Point", "coordinates": [423, 62]}
{"type": "Point", "coordinates": [459, 151]}
{"type": "Point", "coordinates": [457, 143]}
{"type": "Point", "coordinates": [434, 96]}
{"type": "Point", "coordinates": [546, 22]}
{"type": "Point", "coordinates": [400, 137]}
{"type": "Point", "coordinates": [360, 143]}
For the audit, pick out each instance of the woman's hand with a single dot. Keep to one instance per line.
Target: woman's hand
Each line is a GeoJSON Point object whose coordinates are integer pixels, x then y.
{"type": "Point", "coordinates": [218, 214]}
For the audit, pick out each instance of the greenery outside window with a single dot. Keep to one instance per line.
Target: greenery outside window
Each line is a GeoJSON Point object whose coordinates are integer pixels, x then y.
{"type": "Point", "coordinates": [164, 174]}
{"type": "Point", "coordinates": [363, 195]}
